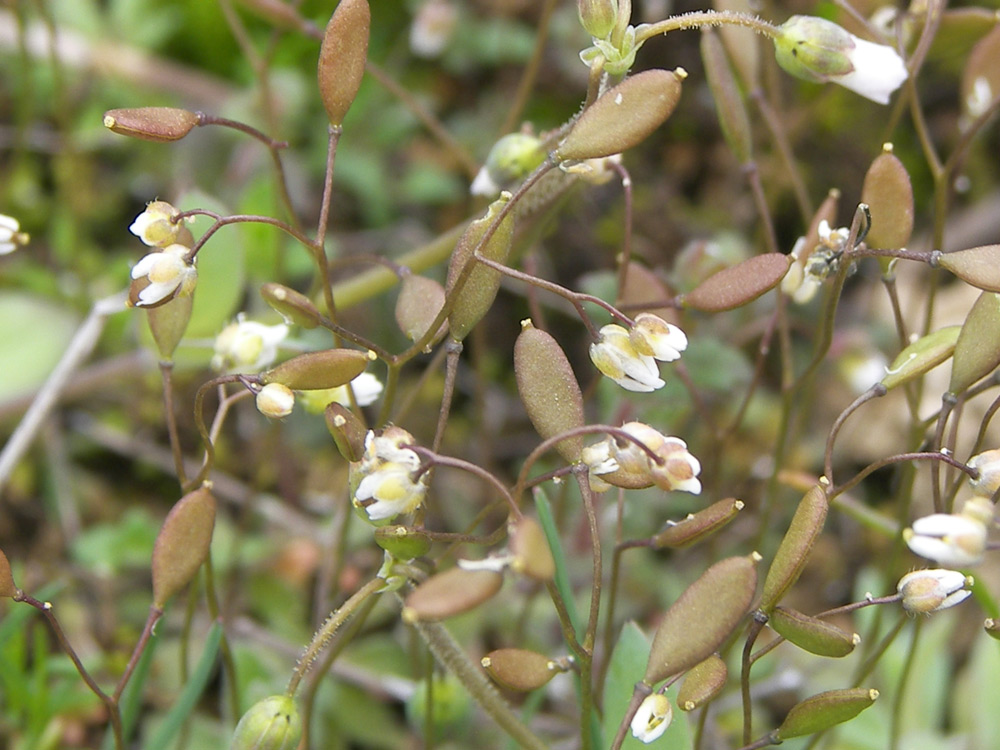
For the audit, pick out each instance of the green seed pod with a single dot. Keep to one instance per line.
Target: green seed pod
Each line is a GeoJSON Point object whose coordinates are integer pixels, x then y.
{"type": "Point", "coordinates": [623, 116]}
{"type": "Point", "coordinates": [977, 351]}
{"type": "Point", "coordinates": [476, 296]}
{"type": "Point", "coordinates": [597, 17]}
{"type": "Point", "coordinates": [702, 617]}
{"type": "Point", "coordinates": [702, 683]}
{"type": "Point", "coordinates": [450, 593]}
{"type": "Point", "coordinates": [271, 724]}
{"type": "Point", "coordinates": [318, 370]}
{"type": "Point", "coordinates": [182, 544]}
{"type": "Point", "coordinates": [728, 100]}
{"type": "Point", "coordinates": [922, 356]}
{"type": "Point", "coordinates": [738, 285]}
{"type": "Point", "coordinates": [7, 586]}
{"type": "Point", "coordinates": [419, 302]}
{"type": "Point", "coordinates": [820, 712]}
{"type": "Point", "coordinates": [510, 160]}
{"type": "Point", "coordinates": [168, 323]}
{"type": "Point", "coordinates": [889, 195]}
{"type": "Point", "coordinates": [347, 430]}
{"type": "Point", "coordinates": [812, 634]}
{"type": "Point", "coordinates": [160, 124]}
{"type": "Point", "coordinates": [342, 57]}
{"type": "Point", "coordinates": [978, 266]}
{"type": "Point", "coordinates": [698, 526]}
{"type": "Point", "coordinates": [548, 388]}
{"type": "Point", "coordinates": [530, 548]}
{"type": "Point", "coordinates": [795, 547]}
{"type": "Point", "coordinates": [293, 306]}
{"type": "Point", "coordinates": [402, 542]}
{"type": "Point", "coordinates": [519, 669]}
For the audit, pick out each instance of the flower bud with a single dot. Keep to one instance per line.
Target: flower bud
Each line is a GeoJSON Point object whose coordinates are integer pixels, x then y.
{"type": "Point", "coordinates": [988, 466]}
{"type": "Point", "coordinates": [977, 351]}
{"type": "Point", "coordinates": [519, 669]}
{"type": "Point", "coordinates": [182, 544]}
{"type": "Point", "coordinates": [614, 355]}
{"type": "Point", "coordinates": [293, 306]}
{"type": "Point", "coordinates": [953, 540]}
{"type": "Point", "coordinates": [812, 634]}
{"type": "Point", "coordinates": [820, 712]}
{"type": "Point", "coordinates": [793, 552]}
{"type": "Point", "coordinates": [275, 400]}
{"type": "Point", "coordinates": [511, 159]}
{"type": "Point", "coordinates": [652, 718]}
{"type": "Point", "coordinates": [738, 285]}
{"type": "Point", "coordinates": [11, 236]}
{"type": "Point", "coordinates": [160, 124]}
{"type": "Point", "coordinates": [598, 17]}
{"type": "Point", "coordinates": [318, 370]}
{"type": "Point", "coordinates": [450, 593]}
{"type": "Point", "coordinates": [922, 356]}
{"type": "Point", "coordinates": [271, 724]}
{"type": "Point", "coordinates": [702, 683]}
{"type": "Point", "coordinates": [7, 586]}
{"type": "Point", "coordinates": [342, 57]}
{"type": "Point", "coordinates": [162, 276]}
{"type": "Point", "coordinates": [156, 227]}
{"type": "Point", "coordinates": [548, 388]}
{"type": "Point", "coordinates": [654, 337]}
{"type": "Point", "coordinates": [926, 591]}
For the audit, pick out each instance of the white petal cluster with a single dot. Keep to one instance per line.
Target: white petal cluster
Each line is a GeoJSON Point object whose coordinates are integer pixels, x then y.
{"type": "Point", "coordinates": [878, 71]}
{"type": "Point", "coordinates": [11, 236]}
{"type": "Point", "coordinates": [155, 226]}
{"type": "Point", "coordinates": [622, 463]}
{"type": "Point", "coordinates": [953, 540]}
{"type": "Point", "coordinates": [163, 275]}
{"type": "Point", "coordinates": [629, 356]}
{"type": "Point", "coordinates": [247, 346]}
{"type": "Point", "coordinates": [652, 718]}
{"type": "Point", "coordinates": [387, 487]}
{"type": "Point", "coordinates": [926, 591]}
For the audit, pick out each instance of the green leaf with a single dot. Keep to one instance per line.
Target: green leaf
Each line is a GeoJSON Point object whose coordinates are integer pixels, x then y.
{"type": "Point", "coordinates": [34, 334]}
{"type": "Point", "coordinates": [555, 544]}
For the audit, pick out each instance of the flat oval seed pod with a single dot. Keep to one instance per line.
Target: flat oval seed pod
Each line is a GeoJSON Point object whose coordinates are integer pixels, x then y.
{"type": "Point", "coordinates": [342, 57]}
{"type": "Point", "coordinates": [7, 586]}
{"type": "Point", "coordinates": [728, 100]}
{"type": "Point", "coordinates": [168, 323]}
{"type": "Point", "coordinates": [978, 266]}
{"type": "Point", "coordinates": [293, 306]}
{"type": "Point", "coordinates": [402, 542]}
{"type": "Point", "coordinates": [347, 430]}
{"type": "Point", "coordinates": [418, 304]}
{"type": "Point", "coordinates": [450, 593]}
{"type": "Point", "coordinates": [159, 124]}
{"type": "Point", "coordinates": [548, 388]}
{"type": "Point", "coordinates": [812, 634]}
{"type": "Point", "coordinates": [530, 549]}
{"type": "Point", "coordinates": [822, 711]}
{"type": "Point", "coordinates": [702, 617]}
{"type": "Point", "coordinates": [518, 669]}
{"type": "Point", "coordinates": [889, 195]}
{"type": "Point", "coordinates": [623, 116]}
{"type": "Point", "coordinates": [698, 526]}
{"type": "Point", "coordinates": [977, 351]}
{"type": "Point", "coordinates": [922, 356]}
{"type": "Point", "coordinates": [182, 544]}
{"type": "Point", "coordinates": [738, 285]}
{"type": "Point", "coordinates": [318, 370]}
{"type": "Point", "coordinates": [795, 547]}
{"type": "Point", "coordinates": [702, 683]}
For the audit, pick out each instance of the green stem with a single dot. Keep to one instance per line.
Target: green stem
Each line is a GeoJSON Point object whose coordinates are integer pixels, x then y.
{"type": "Point", "coordinates": [698, 19]}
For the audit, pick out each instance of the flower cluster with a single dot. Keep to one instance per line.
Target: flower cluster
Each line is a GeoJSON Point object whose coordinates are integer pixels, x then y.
{"type": "Point", "coordinates": [926, 591]}
{"type": "Point", "coordinates": [168, 272]}
{"type": "Point", "coordinates": [956, 540]}
{"type": "Point", "coordinates": [812, 266]}
{"type": "Point", "coordinates": [385, 476]}
{"type": "Point", "coordinates": [246, 346]}
{"type": "Point", "coordinates": [622, 463]}
{"type": "Point", "coordinates": [629, 356]}
{"type": "Point", "coordinates": [11, 236]}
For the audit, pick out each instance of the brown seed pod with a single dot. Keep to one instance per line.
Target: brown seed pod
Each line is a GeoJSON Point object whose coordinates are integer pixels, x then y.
{"type": "Point", "coordinates": [342, 57]}
{"type": "Point", "coordinates": [702, 683]}
{"type": "Point", "coordinates": [347, 430]}
{"type": "Point", "coordinates": [889, 195]}
{"type": "Point", "coordinates": [978, 266]}
{"type": "Point", "coordinates": [319, 370]}
{"type": "Point", "coordinates": [977, 351]}
{"type": "Point", "coordinates": [7, 586]}
{"type": "Point", "coordinates": [738, 285]}
{"type": "Point", "coordinates": [182, 544]}
{"type": "Point", "coordinates": [450, 593]}
{"type": "Point", "coordinates": [293, 306]}
{"type": "Point", "coordinates": [160, 124]}
{"type": "Point", "coordinates": [419, 302]}
{"type": "Point", "coordinates": [824, 710]}
{"type": "Point", "coordinates": [812, 634]}
{"type": "Point", "coordinates": [922, 356]}
{"type": "Point", "coordinates": [793, 552]}
{"type": "Point", "coordinates": [698, 526]}
{"type": "Point", "coordinates": [518, 669]}
{"type": "Point", "coordinates": [530, 548]}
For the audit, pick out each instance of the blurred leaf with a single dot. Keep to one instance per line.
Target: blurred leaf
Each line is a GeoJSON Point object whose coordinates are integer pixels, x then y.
{"type": "Point", "coordinates": [111, 548]}
{"type": "Point", "coordinates": [34, 334]}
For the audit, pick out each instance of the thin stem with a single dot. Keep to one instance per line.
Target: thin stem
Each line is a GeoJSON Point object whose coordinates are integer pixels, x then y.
{"type": "Point", "coordinates": [228, 663]}
{"type": "Point", "coordinates": [904, 676]}
{"type": "Point", "coordinates": [166, 373]}
{"type": "Point", "coordinates": [698, 19]}
{"type": "Point", "coordinates": [900, 458]}
{"type": "Point", "coordinates": [876, 391]}
{"type": "Point", "coordinates": [626, 255]}
{"type": "Point", "coordinates": [756, 625]}
{"type": "Point", "coordinates": [319, 247]}
{"type": "Point", "coordinates": [454, 352]}
{"type": "Point", "coordinates": [205, 119]}
{"type": "Point", "coordinates": [757, 189]}
{"type": "Point", "coordinates": [586, 665]}
{"type": "Point", "coordinates": [639, 693]}
{"type": "Point", "coordinates": [530, 74]}
{"type": "Point", "coordinates": [457, 463]}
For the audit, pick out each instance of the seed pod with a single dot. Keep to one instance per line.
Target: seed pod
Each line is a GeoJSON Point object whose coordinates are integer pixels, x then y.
{"type": "Point", "coordinates": [977, 351]}
{"type": "Point", "coordinates": [922, 356]}
{"type": "Point", "coordinates": [738, 285]}
{"type": "Point", "coordinates": [7, 586]}
{"type": "Point", "coordinates": [519, 669]}
{"type": "Point", "coordinates": [318, 370]}
{"type": "Point", "coordinates": [981, 75]}
{"type": "Point", "coordinates": [820, 712]}
{"type": "Point", "coordinates": [702, 617]}
{"type": "Point", "coordinates": [168, 323]}
{"type": "Point", "coordinates": [992, 628]}
{"type": "Point", "coordinates": [342, 57]}
{"type": "Point", "coordinates": [293, 306]}
{"type": "Point", "coordinates": [812, 634]}
{"type": "Point", "coordinates": [702, 683]}
{"type": "Point", "coordinates": [347, 430]}
{"type": "Point", "coordinates": [450, 593]}
{"type": "Point", "coordinates": [728, 99]}
{"type": "Point", "coordinates": [530, 548]}
{"type": "Point", "coordinates": [160, 124]}
{"type": "Point", "coordinates": [419, 302]}
{"type": "Point", "coordinates": [795, 547]}
{"type": "Point", "coordinates": [271, 724]}
{"type": "Point", "coordinates": [623, 116]}
{"type": "Point", "coordinates": [476, 296]}
{"type": "Point", "coordinates": [182, 544]}
{"type": "Point", "coordinates": [889, 195]}
{"type": "Point", "coordinates": [698, 526]}
{"type": "Point", "coordinates": [548, 388]}
{"type": "Point", "coordinates": [402, 542]}
{"type": "Point", "coordinates": [978, 266]}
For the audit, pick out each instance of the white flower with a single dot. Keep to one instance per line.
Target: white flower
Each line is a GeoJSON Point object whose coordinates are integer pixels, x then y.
{"type": "Point", "coordinates": [367, 389]}
{"type": "Point", "coordinates": [387, 487]}
{"type": "Point", "coordinates": [246, 346]}
{"type": "Point", "coordinates": [652, 718]}
{"type": "Point", "coordinates": [11, 236]}
{"type": "Point", "coordinates": [988, 465]}
{"type": "Point", "coordinates": [926, 591]}
{"type": "Point", "coordinates": [161, 276]}
{"type": "Point", "coordinates": [955, 541]}
{"type": "Point", "coordinates": [155, 227]}
{"type": "Point", "coordinates": [616, 357]}
{"type": "Point", "coordinates": [275, 400]}
{"type": "Point", "coordinates": [878, 71]}
{"type": "Point", "coordinates": [622, 463]}
{"type": "Point", "coordinates": [655, 337]}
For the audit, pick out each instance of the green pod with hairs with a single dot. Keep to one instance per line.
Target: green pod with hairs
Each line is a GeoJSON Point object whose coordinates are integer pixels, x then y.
{"type": "Point", "coordinates": [812, 634]}
{"type": "Point", "coordinates": [519, 669]}
{"type": "Point", "coordinates": [702, 683]}
{"type": "Point", "coordinates": [922, 356]}
{"type": "Point", "coordinates": [978, 266]}
{"type": "Point", "coordinates": [698, 526]}
{"type": "Point", "coordinates": [825, 710]}
{"type": "Point", "coordinates": [795, 547]}
{"type": "Point", "coordinates": [293, 306]}
{"type": "Point", "coordinates": [182, 544]}
{"type": "Point", "coordinates": [977, 351]}
{"type": "Point", "coordinates": [342, 57]}
{"type": "Point", "coordinates": [319, 370]}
